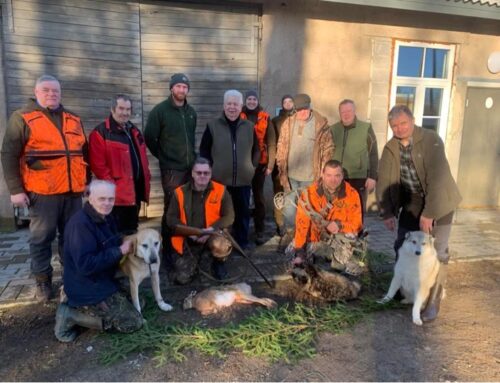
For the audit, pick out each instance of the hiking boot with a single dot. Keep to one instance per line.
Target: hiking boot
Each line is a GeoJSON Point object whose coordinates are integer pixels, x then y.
{"type": "Point", "coordinates": [67, 318]}
{"type": "Point", "coordinates": [43, 292]}
{"type": "Point", "coordinates": [431, 309]}
{"type": "Point", "coordinates": [285, 241]}
{"type": "Point", "coordinates": [259, 238]}
{"type": "Point", "coordinates": [219, 270]}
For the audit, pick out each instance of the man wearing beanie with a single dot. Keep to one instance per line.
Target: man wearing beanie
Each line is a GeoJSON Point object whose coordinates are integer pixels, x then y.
{"type": "Point", "coordinates": [305, 145]}
{"type": "Point", "coordinates": [287, 109]}
{"type": "Point", "coordinates": [253, 112]}
{"type": "Point", "coordinates": [170, 136]}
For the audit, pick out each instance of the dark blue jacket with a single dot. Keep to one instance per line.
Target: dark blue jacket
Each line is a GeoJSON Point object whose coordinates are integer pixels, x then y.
{"type": "Point", "coordinates": [91, 257]}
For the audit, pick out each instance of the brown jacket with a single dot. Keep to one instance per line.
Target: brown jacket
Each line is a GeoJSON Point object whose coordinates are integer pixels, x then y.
{"type": "Point", "coordinates": [440, 190]}
{"type": "Point", "coordinates": [323, 150]}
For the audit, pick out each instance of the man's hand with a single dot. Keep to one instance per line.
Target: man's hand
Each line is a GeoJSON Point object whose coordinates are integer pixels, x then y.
{"type": "Point", "coordinates": [370, 184]}
{"type": "Point", "coordinates": [426, 224]}
{"type": "Point", "coordinates": [268, 171]}
{"type": "Point", "coordinates": [333, 228]}
{"type": "Point", "coordinates": [202, 239]}
{"type": "Point", "coordinates": [20, 200]}
{"type": "Point", "coordinates": [390, 223]}
{"type": "Point", "coordinates": [126, 246]}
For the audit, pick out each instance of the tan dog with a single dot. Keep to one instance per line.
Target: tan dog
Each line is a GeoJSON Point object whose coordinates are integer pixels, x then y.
{"type": "Point", "coordinates": [415, 272]}
{"type": "Point", "coordinates": [209, 301]}
{"type": "Point", "coordinates": [144, 261]}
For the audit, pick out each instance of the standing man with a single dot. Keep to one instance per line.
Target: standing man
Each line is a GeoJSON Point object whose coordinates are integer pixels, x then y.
{"type": "Point", "coordinates": [117, 153]}
{"type": "Point", "coordinates": [231, 145]}
{"type": "Point", "coordinates": [253, 112]}
{"type": "Point", "coordinates": [44, 164]}
{"type": "Point", "coordinates": [91, 258]}
{"type": "Point", "coordinates": [356, 149]}
{"type": "Point", "coordinates": [304, 146]}
{"type": "Point", "coordinates": [170, 137]}
{"type": "Point", "coordinates": [287, 109]}
{"type": "Point", "coordinates": [415, 184]}
{"type": "Point", "coordinates": [204, 204]}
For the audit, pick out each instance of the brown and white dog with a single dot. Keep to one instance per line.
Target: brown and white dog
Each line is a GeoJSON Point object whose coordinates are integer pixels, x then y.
{"type": "Point", "coordinates": [144, 261]}
{"type": "Point", "coordinates": [211, 300]}
{"type": "Point", "coordinates": [415, 272]}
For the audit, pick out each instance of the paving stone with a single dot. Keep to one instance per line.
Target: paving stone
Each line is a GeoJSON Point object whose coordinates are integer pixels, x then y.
{"type": "Point", "coordinates": [27, 293]}
{"type": "Point", "coordinates": [10, 293]}
{"type": "Point", "coordinates": [22, 282]}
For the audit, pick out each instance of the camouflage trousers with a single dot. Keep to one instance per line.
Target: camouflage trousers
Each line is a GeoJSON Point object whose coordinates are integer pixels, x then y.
{"type": "Point", "coordinates": [345, 253]}
{"type": "Point", "coordinates": [117, 313]}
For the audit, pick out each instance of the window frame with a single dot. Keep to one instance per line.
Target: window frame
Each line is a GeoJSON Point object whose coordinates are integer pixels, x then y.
{"type": "Point", "coordinates": [422, 83]}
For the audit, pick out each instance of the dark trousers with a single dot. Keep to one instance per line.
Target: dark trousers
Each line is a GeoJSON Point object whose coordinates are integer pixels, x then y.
{"type": "Point", "coordinates": [259, 213]}
{"type": "Point", "coordinates": [240, 196]}
{"type": "Point", "coordinates": [48, 216]}
{"type": "Point", "coordinates": [277, 188]}
{"type": "Point", "coordinates": [127, 218]}
{"type": "Point", "coordinates": [170, 180]}
{"type": "Point", "coordinates": [409, 220]}
{"type": "Point", "coordinates": [359, 185]}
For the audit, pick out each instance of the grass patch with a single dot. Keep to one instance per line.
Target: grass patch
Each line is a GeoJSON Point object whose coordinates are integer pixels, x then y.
{"type": "Point", "coordinates": [285, 333]}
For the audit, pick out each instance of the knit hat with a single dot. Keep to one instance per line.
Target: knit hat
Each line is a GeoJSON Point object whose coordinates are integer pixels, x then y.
{"type": "Point", "coordinates": [302, 101]}
{"type": "Point", "coordinates": [285, 97]}
{"type": "Point", "coordinates": [251, 93]}
{"type": "Point", "coordinates": [179, 78]}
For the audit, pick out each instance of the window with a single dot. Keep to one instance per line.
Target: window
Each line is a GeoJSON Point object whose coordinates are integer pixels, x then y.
{"type": "Point", "coordinates": [421, 80]}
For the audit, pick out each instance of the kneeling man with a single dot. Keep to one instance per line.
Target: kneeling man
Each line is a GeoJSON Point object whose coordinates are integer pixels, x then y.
{"type": "Point", "coordinates": [200, 203]}
{"type": "Point", "coordinates": [328, 220]}
{"type": "Point", "coordinates": [92, 252]}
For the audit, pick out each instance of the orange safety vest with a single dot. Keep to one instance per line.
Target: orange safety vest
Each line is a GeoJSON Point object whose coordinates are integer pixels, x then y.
{"type": "Point", "coordinates": [213, 204]}
{"type": "Point", "coordinates": [57, 154]}
{"type": "Point", "coordinates": [345, 209]}
{"type": "Point", "coordinates": [260, 130]}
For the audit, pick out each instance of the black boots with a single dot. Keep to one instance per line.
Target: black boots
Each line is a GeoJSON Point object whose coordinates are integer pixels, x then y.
{"type": "Point", "coordinates": [43, 292]}
{"type": "Point", "coordinates": [431, 309]}
{"type": "Point", "coordinates": [67, 318]}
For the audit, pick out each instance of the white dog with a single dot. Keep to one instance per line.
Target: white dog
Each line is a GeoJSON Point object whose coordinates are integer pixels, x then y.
{"type": "Point", "coordinates": [144, 261]}
{"type": "Point", "coordinates": [415, 272]}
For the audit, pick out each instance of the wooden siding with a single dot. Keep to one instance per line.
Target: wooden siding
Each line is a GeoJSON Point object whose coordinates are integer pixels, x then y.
{"type": "Point", "coordinates": [215, 46]}
{"type": "Point", "coordinates": [100, 48]}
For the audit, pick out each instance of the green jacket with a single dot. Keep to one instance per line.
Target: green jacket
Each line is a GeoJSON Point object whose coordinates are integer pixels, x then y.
{"type": "Point", "coordinates": [170, 135]}
{"type": "Point", "coordinates": [440, 190]}
{"type": "Point", "coordinates": [356, 149]}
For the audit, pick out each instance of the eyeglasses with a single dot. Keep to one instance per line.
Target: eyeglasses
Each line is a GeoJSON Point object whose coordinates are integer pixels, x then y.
{"type": "Point", "coordinates": [199, 173]}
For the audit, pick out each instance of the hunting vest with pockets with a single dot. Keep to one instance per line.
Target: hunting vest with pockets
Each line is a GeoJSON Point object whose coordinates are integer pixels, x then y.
{"type": "Point", "coordinates": [52, 162]}
{"type": "Point", "coordinates": [351, 148]}
{"type": "Point", "coordinates": [260, 131]}
{"type": "Point", "coordinates": [213, 204]}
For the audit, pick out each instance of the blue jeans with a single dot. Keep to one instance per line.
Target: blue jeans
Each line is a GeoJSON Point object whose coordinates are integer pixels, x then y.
{"type": "Point", "coordinates": [48, 215]}
{"type": "Point", "coordinates": [240, 196]}
{"type": "Point", "coordinates": [289, 210]}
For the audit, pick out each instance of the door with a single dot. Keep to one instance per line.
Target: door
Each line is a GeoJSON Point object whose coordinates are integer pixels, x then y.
{"type": "Point", "coordinates": [478, 172]}
{"type": "Point", "coordinates": [216, 46]}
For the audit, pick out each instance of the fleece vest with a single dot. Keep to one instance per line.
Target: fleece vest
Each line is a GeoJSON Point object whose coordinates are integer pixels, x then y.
{"type": "Point", "coordinates": [351, 148]}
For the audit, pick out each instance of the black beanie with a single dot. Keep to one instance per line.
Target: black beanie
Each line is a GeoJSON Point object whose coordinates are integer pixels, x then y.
{"type": "Point", "coordinates": [179, 78]}
{"type": "Point", "coordinates": [285, 97]}
{"type": "Point", "coordinates": [251, 93]}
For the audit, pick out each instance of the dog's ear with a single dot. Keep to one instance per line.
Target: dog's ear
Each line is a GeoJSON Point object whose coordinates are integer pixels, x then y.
{"type": "Point", "coordinates": [133, 248]}
{"type": "Point", "coordinates": [407, 235]}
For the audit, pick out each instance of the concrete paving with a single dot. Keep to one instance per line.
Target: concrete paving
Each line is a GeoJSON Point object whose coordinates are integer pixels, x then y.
{"type": "Point", "coordinates": [475, 236]}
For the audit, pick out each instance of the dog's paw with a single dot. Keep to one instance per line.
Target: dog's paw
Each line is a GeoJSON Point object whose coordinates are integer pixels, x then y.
{"type": "Point", "coordinates": [165, 306]}
{"type": "Point", "coordinates": [417, 321]}
{"type": "Point", "coordinates": [384, 300]}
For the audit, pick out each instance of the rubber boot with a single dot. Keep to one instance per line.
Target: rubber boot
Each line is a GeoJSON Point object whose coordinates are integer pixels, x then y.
{"type": "Point", "coordinates": [431, 310]}
{"type": "Point", "coordinates": [67, 318]}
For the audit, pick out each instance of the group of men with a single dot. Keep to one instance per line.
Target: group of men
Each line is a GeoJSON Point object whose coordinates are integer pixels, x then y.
{"type": "Point", "coordinates": [325, 172]}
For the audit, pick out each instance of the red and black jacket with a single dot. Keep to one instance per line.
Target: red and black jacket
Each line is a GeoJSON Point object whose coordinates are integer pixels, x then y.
{"type": "Point", "coordinates": [111, 159]}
